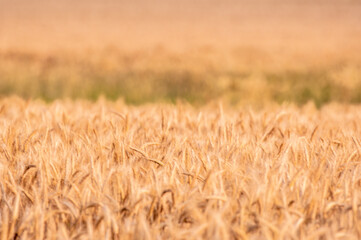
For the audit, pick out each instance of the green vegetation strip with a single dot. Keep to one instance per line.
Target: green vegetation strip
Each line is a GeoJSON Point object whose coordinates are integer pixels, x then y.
{"type": "Point", "coordinates": [51, 79]}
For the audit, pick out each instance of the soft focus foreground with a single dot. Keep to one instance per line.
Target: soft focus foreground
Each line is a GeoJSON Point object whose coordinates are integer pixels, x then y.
{"type": "Point", "coordinates": [106, 170]}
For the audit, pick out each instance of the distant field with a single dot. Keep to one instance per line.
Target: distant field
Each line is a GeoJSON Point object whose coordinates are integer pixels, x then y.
{"type": "Point", "coordinates": [237, 51]}
{"type": "Point", "coordinates": [246, 76]}
{"type": "Point", "coordinates": [106, 170]}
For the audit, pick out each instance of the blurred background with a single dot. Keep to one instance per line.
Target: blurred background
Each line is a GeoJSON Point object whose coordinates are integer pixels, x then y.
{"type": "Point", "coordinates": [242, 52]}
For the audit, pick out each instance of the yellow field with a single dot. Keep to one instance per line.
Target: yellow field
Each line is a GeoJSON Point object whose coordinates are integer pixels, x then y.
{"type": "Point", "coordinates": [105, 170]}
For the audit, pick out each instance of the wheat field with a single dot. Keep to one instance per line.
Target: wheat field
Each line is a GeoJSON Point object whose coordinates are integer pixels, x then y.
{"type": "Point", "coordinates": [107, 170]}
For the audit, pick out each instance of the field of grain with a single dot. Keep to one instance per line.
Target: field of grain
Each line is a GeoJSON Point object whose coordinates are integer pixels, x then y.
{"type": "Point", "coordinates": [205, 119]}
{"type": "Point", "coordinates": [107, 170]}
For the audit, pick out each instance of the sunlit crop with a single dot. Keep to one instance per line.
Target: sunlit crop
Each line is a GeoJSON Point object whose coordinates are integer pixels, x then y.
{"type": "Point", "coordinates": [106, 170]}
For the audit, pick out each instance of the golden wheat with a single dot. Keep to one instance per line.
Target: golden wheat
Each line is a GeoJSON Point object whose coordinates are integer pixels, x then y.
{"type": "Point", "coordinates": [105, 170]}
